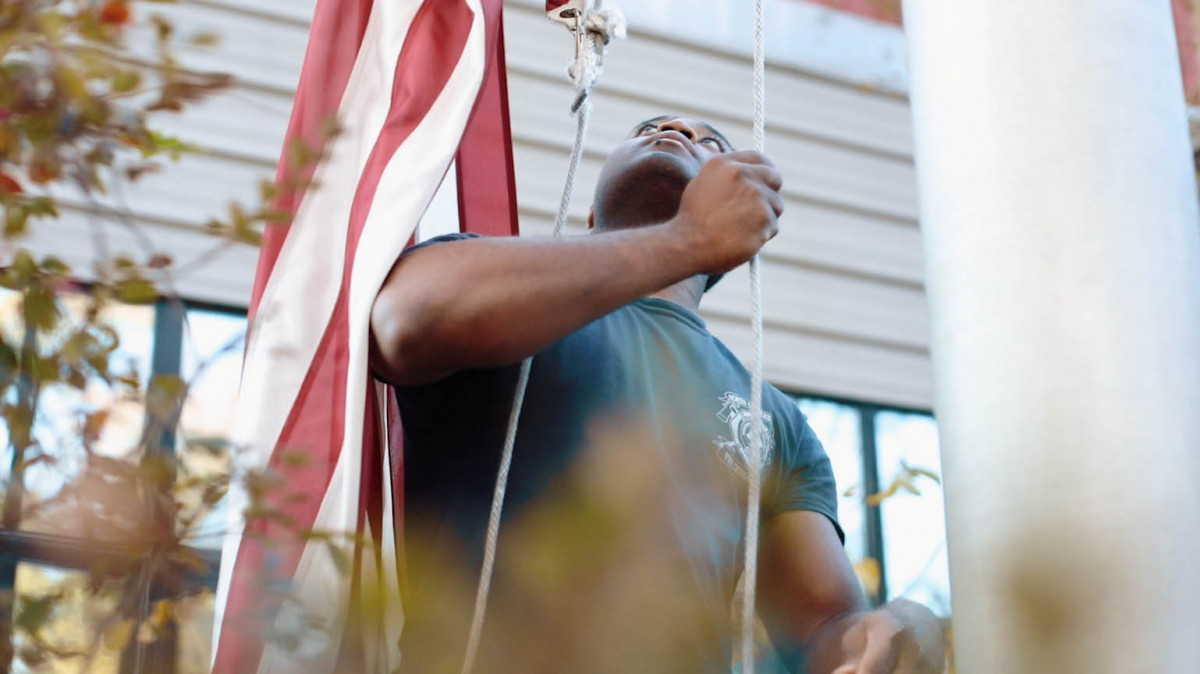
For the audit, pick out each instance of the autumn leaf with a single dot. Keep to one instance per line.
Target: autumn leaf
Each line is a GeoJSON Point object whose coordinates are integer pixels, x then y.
{"type": "Point", "coordinates": [906, 480]}
{"type": "Point", "coordinates": [340, 558]}
{"type": "Point", "coordinates": [40, 308]}
{"type": "Point", "coordinates": [33, 613]}
{"type": "Point", "coordinates": [164, 395]}
{"type": "Point", "coordinates": [159, 261]}
{"type": "Point", "coordinates": [869, 575]}
{"type": "Point", "coordinates": [204, 39]}
{"type": "Point", "coordinates": [126, 80]}
{"type": "Point", "coordinates": [136, 290]}
{"type": "Point", "coordinates": [115, 13]}
{"type": "Point", "coordinates": [9, 185]}
{"type": "Point", "coordinates": [118, 634]}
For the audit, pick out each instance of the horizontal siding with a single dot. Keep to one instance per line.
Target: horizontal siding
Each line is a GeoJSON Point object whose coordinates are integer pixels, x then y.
{"type": "Point", "coordinates": [842, 287]}
{"type": "Point", "coordinates": [206, 269]}
{"type": "Point", "coordinates": [845, 308]}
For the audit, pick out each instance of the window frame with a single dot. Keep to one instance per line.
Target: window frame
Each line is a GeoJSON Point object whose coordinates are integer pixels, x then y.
{"type": "Point", "coordinates": [69, 553]}
{"type": "Point", "coordinates": [869, 448]}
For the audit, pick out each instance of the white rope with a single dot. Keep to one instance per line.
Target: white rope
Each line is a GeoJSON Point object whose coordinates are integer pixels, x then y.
{"type": "Point", "coordinates": [596, 29]}
{"type": "Point", "coordinates": [583, 115]}
{"type": "Point", "coordinates": [754, 472]}
{"type": "Point", "coordinates": [493, 530]}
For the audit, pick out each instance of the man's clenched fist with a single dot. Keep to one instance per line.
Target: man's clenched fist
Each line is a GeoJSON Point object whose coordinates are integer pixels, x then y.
{"type": "Point", "coordinates": [730, 209]}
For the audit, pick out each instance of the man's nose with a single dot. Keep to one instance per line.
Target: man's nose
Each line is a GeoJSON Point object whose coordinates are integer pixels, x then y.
{"type": "Point", "coordinates": [681, 126]}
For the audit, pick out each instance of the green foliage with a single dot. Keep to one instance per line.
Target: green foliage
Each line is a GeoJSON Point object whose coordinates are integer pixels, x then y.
{"type": "Point", "coordinates": [77, 114]}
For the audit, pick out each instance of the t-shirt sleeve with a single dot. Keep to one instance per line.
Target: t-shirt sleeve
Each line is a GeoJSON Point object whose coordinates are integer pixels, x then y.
{"type": "Point", "coordinates": [802, 475]}
{"type": "Point", "coordinates": [456, 236]}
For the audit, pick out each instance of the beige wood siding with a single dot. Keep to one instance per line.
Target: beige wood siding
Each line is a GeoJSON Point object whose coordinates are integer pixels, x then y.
{"type": "Point", "coordinates": [845, 308]}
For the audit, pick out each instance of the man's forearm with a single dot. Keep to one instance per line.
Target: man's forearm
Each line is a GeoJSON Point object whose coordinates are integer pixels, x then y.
{"type": "Point", "coordinates": [489, 302]}
{"type": "Point", "coordinates": [902, 637]}
{"type": "Point", "coordinates": [925, 635]}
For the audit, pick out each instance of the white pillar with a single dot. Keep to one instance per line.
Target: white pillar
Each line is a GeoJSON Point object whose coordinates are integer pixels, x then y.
{"type": "Point", "coordinates": [1062, 246]}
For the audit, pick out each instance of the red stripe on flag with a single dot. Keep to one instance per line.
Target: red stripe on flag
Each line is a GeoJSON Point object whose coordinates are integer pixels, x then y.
{"type": "Point", "coordinates": [269, 551]}
{"type": "Point", "coordinates": [432, 49]}
{"type": "Point", "coordinates": [333, 44]}
{"type": "Point", "coordinates": [487, 185]}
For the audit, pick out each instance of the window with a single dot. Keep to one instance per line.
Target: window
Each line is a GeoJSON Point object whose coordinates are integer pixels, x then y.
{"type": "Point", "coordinates": [893, 453]}
{"type": "Point", "coordinates": [44, 556]}
{"type": "Point", "coordinates": [914, 524]}
{"type": "Point", "coordinates": [839, 428]}
{"type": "Point", "coordinates": [212, 365]}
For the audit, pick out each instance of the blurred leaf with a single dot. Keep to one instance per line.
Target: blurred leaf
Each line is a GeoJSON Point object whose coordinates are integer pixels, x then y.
{"type": "Point", "coordinates": [267, 191]}
{"type": "Point", "coordinates": [213, 493]}
{"type": "Point", "coordinates": [213, 445]}
{"type": "Point", "coordinates": [40, 308]}
{"type": "Point", "coordinates": [15, 220]}
{"type": "Point", "coordinates": [159, 261]}
{"type": "Point", "coordinates": [114, 12]}
{"type": "Point", "coordinates": [33, 613]}
{"type": "Point", "coordinates": [922, 472]}
{"type": "Point", "coordinates": [42, 206]}
{"type": "Point", "coordinates": [136, 171]}
{"type": "Point", "coordinates": [19, 420]}
{"type": "Point", "coordinates": [188, 559]}
{"type": "Point", "coordinates": [299, 156]}
{"type": "Point", "coordinates": [294, 459]}
{"type": "Point", "coordinates": [137, 290]}
{"type": "Point", "coordinates": [164, 395]}
{"type": "Point", "coordinates": [24, 266]}
{"type": "Point", "coordinates": [118, 634]}
{"type": "Point", "coordinates": [94, 424]}
{"type": "Point", "coordinates": [330, 128]}
{"type": "Point", "coordinates": [8, 184]}
{"type": "Point", "coordinates": [205, 39]}
{"type": "Point", "coordinates": [54, 266]}
{"type": "Point", "coordinates": [906, 480]}
{"type": "Point", "coordinates": [273, 215]}
{"type": "Point", "coordinates": [33, 656]}
{"type": "Point", "coordinates": [339, 557]}
{"type": "Point", "coordinates": [126, 80]}
{"type": "Point", "coordinates": [45, 369]}
{"type": "Point", "coordinates": [163, 27]}
{"type": "Point", "coordinates": [248, 236]}
{"type": "Point", "coordinates": [869, 575]}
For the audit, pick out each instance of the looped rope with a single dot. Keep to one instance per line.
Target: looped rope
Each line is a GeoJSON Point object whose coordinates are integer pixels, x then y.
{"type": "Point", "coordinates": [593, 33]}
{"type": "Point", "coordinates": [595, 30]}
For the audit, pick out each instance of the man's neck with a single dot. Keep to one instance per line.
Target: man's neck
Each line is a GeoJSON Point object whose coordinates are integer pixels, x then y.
{"type": "Point", "coordinates": [686, 293]}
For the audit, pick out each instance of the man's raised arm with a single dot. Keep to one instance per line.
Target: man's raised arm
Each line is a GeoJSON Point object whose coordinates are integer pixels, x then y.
{"type": "Point", "coordinates": [488, 302]}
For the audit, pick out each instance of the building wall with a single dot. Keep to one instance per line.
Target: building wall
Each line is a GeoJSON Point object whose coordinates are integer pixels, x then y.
{"type": "Point", "coordinates": [845, 308]}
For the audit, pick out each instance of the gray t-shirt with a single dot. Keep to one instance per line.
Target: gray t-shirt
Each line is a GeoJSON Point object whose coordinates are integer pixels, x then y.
{"type": "Point", "coordinates": [651, 368]}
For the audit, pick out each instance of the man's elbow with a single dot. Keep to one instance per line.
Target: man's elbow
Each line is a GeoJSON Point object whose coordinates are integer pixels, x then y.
{"type": "Point", "coordinates": [397, 338]}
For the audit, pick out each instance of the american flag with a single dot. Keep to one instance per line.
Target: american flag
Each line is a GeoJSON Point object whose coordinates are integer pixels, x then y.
{"type": "Point", "coordinates": [418, 88]}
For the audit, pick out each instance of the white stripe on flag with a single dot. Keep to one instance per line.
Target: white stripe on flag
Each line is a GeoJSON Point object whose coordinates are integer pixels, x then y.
{"type": "Point", "coordinates": [442, 215]}
{"type": "Point", "coordinates": [405, 188]}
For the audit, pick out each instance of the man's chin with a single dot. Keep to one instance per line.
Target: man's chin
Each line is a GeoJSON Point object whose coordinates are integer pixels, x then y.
{"type": "Point", "coordinates": [669, 158]}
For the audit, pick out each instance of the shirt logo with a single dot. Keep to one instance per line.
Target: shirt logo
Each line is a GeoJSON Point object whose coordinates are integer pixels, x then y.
{"type": "Point", "coordinates": [735, 450]}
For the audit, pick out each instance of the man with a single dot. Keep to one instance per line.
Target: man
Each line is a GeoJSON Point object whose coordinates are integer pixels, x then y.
{"type": "Point", "coordinates": [610, 318]}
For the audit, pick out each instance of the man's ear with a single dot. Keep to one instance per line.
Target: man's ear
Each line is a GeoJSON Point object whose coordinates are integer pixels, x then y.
{"type": "Point", "coordinates": [591, 216]}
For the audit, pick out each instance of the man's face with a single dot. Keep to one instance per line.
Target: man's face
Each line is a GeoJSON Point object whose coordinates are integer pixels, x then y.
{"type": "Point", "coordinates": [650, 169]}
{"type": "Point", "coordinates": [668, 142]}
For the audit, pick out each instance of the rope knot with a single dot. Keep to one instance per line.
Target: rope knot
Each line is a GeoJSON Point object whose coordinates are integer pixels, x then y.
{"type": "Point", "coordinates": [594, 31]}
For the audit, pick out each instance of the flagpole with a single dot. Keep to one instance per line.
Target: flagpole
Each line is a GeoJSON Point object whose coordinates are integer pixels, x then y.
{"type": "Point", "coordinates": [1062, 253]}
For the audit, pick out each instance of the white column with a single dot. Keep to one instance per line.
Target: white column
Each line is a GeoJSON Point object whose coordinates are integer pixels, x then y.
{"type": "Point", "coordinates": [1062, 245]}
